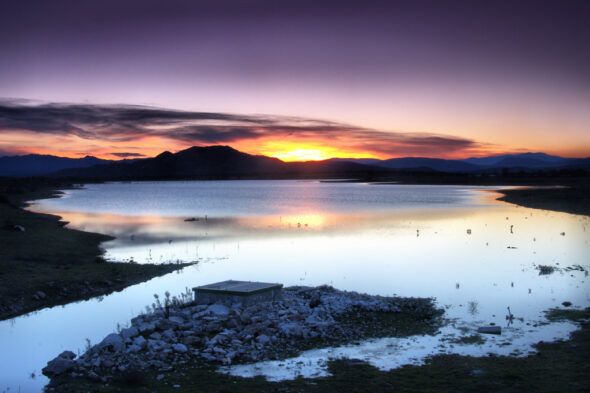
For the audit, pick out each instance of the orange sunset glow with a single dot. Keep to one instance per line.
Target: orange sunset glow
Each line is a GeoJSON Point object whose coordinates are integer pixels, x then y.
{"type": "Point", "coordinates": [75, 147]}
{"type": "Point", "coordinates": [306, 151]}
{"type": "Point", "coordinates": [151, 146]}
{"type": "Point", "coordinates": [288, 149]}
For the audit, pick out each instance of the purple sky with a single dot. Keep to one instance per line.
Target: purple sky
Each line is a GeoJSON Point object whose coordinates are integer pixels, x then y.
{"type": "Point", "coordinates": [509, 75]}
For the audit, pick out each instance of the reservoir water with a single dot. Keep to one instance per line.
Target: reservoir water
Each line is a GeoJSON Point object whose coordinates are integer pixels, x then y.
{"type": "Point", "coordinates": [475, 255]}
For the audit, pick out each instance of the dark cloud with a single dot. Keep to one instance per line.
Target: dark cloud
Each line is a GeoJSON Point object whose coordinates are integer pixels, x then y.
{"type": "Point", "coordinates": [127, 155]}
{"type": "Point", "coordinates": [126, 123]}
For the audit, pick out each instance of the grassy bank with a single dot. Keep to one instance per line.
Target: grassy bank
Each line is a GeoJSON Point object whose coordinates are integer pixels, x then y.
{"type": "Point", "coordinates": [44, 264]}
{"type": "Point", "coordinates": [557, 367]}
{"type": "Point", "coordinates": [574, 199]}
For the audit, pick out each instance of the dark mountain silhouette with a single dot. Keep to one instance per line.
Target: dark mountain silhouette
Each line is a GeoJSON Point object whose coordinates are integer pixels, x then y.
{"type": "Point", "coordinates": [40, 165]}
{"type": "Point", "coordinates": [523, 159]}
{"type": "Point", "coordinates": [224, 162]}
{"type": "Point", "coordinates": [521, 162]}
{"type": "Point", "coordinates": [217, 162]}
{"type": "Point", "coordinates": [435, 164]}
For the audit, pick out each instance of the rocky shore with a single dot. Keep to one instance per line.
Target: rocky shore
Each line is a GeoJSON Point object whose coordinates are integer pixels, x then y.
{"type": "Point", "coordinates": [305, 317]}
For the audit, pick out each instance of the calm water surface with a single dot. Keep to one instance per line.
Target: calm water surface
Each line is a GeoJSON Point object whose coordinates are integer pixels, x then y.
{"type": "Point", "coordinates": [475, 255]}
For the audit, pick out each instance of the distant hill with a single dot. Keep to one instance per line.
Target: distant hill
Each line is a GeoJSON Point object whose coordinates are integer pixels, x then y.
{"type": "Point", "coordinates": [41, 165]}
{"type": "Point", "coordinates": [435, 164]}
{"type": "Point", "coordinates": [523, 159]}
{"type": "Point", "coordinates": [216, 162]}
{"type": "Point", "coordinates": [520, 162]}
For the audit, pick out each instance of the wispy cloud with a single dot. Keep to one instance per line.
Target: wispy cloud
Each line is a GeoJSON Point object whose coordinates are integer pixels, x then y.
{"type": "Point", "coordinates": [126, 123]}
{"type": "Point", "coordinates": [127, 155]}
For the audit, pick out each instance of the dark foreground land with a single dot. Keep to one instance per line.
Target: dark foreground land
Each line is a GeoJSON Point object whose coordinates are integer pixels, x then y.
{"type": "Point", "coordinates": [557, 367]}
{"type": "Point", "coordinates": [573, 199]}
{"type": "Point", "coordinates": [47, 264]}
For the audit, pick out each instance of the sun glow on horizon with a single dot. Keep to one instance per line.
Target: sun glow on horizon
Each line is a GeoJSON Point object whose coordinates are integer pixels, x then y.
{"type": "Point", "coordinates": [295, 151]}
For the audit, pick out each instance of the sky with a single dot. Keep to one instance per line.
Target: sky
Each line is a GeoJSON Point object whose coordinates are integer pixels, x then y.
{"type": "Point", "coordinates": [295, 79]}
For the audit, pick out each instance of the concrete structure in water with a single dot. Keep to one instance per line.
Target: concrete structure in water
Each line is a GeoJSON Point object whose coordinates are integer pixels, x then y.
{"type": "Point", "coordinates": [232, 291]}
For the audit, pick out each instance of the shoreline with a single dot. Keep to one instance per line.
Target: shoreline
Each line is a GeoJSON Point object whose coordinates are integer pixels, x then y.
{"type": "Point", "coordinates": [573, 199]}
{"type": "Point", "coordinates": [44, 264]}
{"type": "Point", "coordinates": [92, 276]}
{"type": "Point", "coordinates": [554, 366]}
{"type": "Point", "coordinates": [182, 331]}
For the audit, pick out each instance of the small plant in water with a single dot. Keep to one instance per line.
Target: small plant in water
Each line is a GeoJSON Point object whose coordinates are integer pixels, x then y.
{"type": "Point", "coordinates": [545, 270]}
{"type": "Point", "coordinates": [157, 304]}
{"type": "Point", "coordinates": [166, 304]}
{"type": "Point", "coordinates": [472, 307]}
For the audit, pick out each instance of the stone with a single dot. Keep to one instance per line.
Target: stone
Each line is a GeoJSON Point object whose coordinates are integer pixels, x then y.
{"type": "Point", "coordinates": [146, 328]}
{"type": "Point", "coordinates": [137, 320]}
{"type": "Point", "coordinates": [263, 339]}
{"type": "Point", "coordinates": [219, 350]}
{"type": "Point", "coordinates": [176, 320]}
{"type": "Point", "coordinates": [113, 341]}
{"type": "Point", "coordinates": [166, 324]}
{"type": "Point", "coordinates": [218, 310]}
{"type": "Point", "coordinates": [155, 345]}
{"type": "Point", "coordinates": [134, 348]}
{"type": "Point", "coordinates": [222, 334]}
{"type": "Point", "coordinates": [93, 377]}
{"type": "Point", "coordinates": [156, 336]}
{"type": "Point", "coordinates": [61, 364]}
{"type": "Point", "coordinates": [129, 333]}
{"type": "Point", "coordinates": [290, 329]}
{"type": "Point", "coordinates": [199, 314]}
{"type": "Point", "coordinates": [168, 334]}
{"type": "Point", "coordinates": [67, 355]}
{"type": "Point", "coordinates": [140, 342]}
{"type": "Point", "coordinates": [180, 348]}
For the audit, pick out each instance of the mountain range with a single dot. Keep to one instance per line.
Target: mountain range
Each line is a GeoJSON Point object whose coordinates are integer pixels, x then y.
{"type": "Point", "coordinates": [41, 165]}
{"type": "Point", "coordinates": [523, 161]}
{"type": "Point", "coordinates": [218, 162]}
{"type": "Point", "coordinates": [224, 162]}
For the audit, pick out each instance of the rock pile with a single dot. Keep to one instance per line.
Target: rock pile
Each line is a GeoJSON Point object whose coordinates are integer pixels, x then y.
{"type": "Point", "coordinates": [217, 333]}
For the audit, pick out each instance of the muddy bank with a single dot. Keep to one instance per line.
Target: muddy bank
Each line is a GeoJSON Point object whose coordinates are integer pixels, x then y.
{"type": "Point", "coordinates": [304, 318]}
{"type": "Point", "coordinates": [573, 199]}
{"type": "Point", "coordinates": [43, 263]}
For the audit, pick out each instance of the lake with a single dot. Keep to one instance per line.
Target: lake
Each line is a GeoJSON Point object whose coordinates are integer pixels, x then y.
{"type": "Point", "coordinates": [475, 255]}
